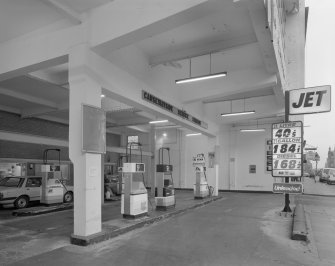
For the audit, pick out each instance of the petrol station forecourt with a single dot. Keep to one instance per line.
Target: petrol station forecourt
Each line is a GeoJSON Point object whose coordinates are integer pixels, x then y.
{"type": "Point", "coordinates": [154, 113]}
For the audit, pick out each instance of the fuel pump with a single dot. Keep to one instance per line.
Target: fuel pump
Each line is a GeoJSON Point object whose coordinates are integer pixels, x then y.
{"type": "Point", "coordinates": [134, 198]}
{"type": "Point", "coordinates": [52, 189]}
{"type": "Point", "coordinates": [201, 188]}
{"type": "Point", "coordinates": [164, 192]}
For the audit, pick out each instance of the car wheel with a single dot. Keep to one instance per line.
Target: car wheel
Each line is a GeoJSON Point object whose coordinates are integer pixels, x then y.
{"type": "Point", "coordinates": [68, 197]}
{"type": "Point", "coordinates": [21, 202]}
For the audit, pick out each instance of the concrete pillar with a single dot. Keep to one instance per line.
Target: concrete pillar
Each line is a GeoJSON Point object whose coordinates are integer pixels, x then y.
{"type": "Point", "coordinates": [152, 165]}
{"type": "Point", "coordinates": [216, 167]}
{"type": "Point", "coordinates": [87, 166]}
{"type": "Point", "coordinates": [232, 160]}
{"type": "Point", "coordinates": [183, 160]}
{"type": "Point", "coordinates": [102, 178]}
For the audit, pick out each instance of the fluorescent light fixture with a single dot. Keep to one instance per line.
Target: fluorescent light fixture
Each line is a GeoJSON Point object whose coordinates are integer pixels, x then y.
{"type": "Point", "coordinates": [164, 134]}
{"type": "Point", "coordinates": [158, 121]}
{"type": "Point", "coordinates": [252, 130]}
{"type": "Point", "coordinates": [204, 77]}
{"type": "Point", "coordinates": [238, 113]}
{"type": "Point", "coordinates": [193, 134]}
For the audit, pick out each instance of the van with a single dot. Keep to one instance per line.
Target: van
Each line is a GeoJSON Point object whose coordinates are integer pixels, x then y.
{"type": "Point", "coordinates": [328, 175]}
{"type": "Point", "coordinates": [331, 178]}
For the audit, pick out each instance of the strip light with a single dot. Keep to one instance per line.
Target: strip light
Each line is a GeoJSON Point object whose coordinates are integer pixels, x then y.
{"type": "Point", "coordinates": [252, 130]}
{"type": "Point", "coordinates": [158, 121]}
{"type": "Point", "coordinates": [193, 134]}
{"type": "Point", "coordinates": [238, 113]}
{"type": "Point", "coordinates": [204, 77]}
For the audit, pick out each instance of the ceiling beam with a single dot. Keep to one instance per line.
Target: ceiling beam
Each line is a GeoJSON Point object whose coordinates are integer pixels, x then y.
{"type": "Point", "coordinates": [54, 119]}
{"type": "Point", "coordinates": [279, 93]}
{"type": "Point", "coordinates": [144, 19]}
{"type": "Point", "coordinates": [146, 115]}
{"type": "Point", "coordinates": [203, 50]}
{"type": "Point", "coordinates": [27, 98]}
{"type": "Point", "coordinates": [69, 13]}
{"type": "Point", "coordinates": [144, 129]}
{"type": "Point", "coordinates": [257, 12]}
{"type": "Point", "coordinates": [47, 82]}
{"type": "Point", "coordinates": [10, 109]}
{"type": "Point", "coordinates": [28, 54]}
{"type": "Point", "coordinates": [242, 95]}
{"type": "Point", "coordinates": [18, 137]}
{"type": "Point", "coordinates": [36, 111]}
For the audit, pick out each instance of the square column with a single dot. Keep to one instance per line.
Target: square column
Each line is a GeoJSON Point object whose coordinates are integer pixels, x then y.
{"type": "Point", "coordinates": [87, 166]}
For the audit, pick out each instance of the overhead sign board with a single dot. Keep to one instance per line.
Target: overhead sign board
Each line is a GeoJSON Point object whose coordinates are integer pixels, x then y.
{"type": "Point", "coordinates": [169, 107]}
{"type": "Point", "coordinates": [310, 100]}
{"type": "Point", "coordinates": [289, 188]}
{"type": "Point", "coordinates": [287, 139]}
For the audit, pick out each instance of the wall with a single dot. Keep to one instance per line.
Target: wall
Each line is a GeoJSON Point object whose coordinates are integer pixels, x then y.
{"type": "Point", "coordinates": [182, 151]}
{"type": "Point", "coordinates": [223, 157]}
{"type": "Point", "coordinates": [248, 149]}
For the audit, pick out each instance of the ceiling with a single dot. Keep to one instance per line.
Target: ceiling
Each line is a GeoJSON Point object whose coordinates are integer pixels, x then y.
{"type": "Point", "coordinates": [219, 36]}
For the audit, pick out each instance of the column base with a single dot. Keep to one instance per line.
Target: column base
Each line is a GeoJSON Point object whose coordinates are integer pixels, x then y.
{"type": "Point", "coordinates": [130, 216]}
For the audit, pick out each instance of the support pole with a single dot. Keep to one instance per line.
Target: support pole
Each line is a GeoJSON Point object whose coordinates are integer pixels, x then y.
{"type": "Point", "coordinates": [287, 179]}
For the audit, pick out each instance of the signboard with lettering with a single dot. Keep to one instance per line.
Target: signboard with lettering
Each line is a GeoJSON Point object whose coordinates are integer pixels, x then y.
{"type": "Point", "coordinates": [310, 100]}
{"type": "Point", "coordinates": [168, 107]}
{"type": "Point", "coordinates": [287, 139]}
{"type": "Point", "coordinates": [289, 188]}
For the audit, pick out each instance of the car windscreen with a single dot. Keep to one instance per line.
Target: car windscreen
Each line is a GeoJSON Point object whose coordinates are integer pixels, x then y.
{"type": "Point", "coordinates": [326, 171]}
{"type": "Point", "coordinates": [11, 182]}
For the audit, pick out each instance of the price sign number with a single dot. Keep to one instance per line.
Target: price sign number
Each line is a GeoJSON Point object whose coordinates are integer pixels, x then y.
{"type": "Point", "coordinates": [286, 133]}
{"type": "Point", "coordinates": [287, 149]}
{"type": "Point", "coordinates": [287, 164]}
{"type": "Point", "coordinates": [284, 148]}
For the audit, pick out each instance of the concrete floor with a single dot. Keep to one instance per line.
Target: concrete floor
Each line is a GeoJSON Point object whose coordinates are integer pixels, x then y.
{"type": "Point", "coordinates": [240, 229]}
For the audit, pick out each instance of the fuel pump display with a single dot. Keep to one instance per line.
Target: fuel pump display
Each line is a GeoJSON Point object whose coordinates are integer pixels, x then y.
{"type": "Point", "coordinates": [134, 198]}
{"type": "Point", "coordinates": [164, 192]}
{"type": "Point", "coordinates": [201, 188]}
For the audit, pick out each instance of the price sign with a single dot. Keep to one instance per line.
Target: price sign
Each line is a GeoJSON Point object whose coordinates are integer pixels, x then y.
{"type": "Point", "coordinates": [287, 149]}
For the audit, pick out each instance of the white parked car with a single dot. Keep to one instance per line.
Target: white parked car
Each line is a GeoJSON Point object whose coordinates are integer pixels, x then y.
{"type": "Point", "coordinates": [20, 190]}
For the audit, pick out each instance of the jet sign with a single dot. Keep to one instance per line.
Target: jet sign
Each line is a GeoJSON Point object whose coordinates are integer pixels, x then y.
{"type": "Point", "coordinates": [310, 100]}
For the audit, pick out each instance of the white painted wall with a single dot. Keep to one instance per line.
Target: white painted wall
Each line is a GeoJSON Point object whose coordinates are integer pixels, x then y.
{"type": "Point", "coordinates": [239, 150]}
{"type": "Point", "coordinates": [223, 158]}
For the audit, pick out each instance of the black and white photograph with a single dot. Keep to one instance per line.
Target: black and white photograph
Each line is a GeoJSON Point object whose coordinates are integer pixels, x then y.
{"type": "Point", "coordinates": [167, 132]}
